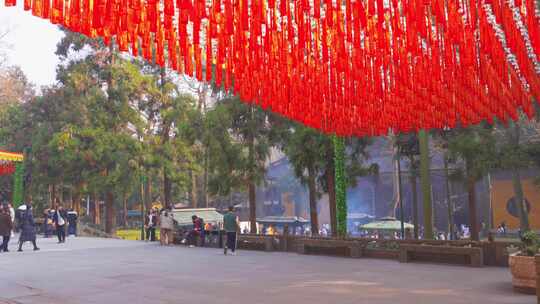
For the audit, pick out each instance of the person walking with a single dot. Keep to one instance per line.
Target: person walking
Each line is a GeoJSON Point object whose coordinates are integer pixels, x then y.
{"type": "Point", "coordinates": [12, 216]}
{"type": "Point", "coordinates": [230, 225]}
{"type": "Point", "coordinates": [47, 221]}
{"type": "Point", "coordinates": [27, 226]}
{"type": "Point", "coordinates": [60, 220]}
{"type": "Point", "coordinates": [150, 222]}
{"type": "Point", "coordinates": [72, 218]}
{"type": "Point", "coordinates": [166, 227]}
{"type": "Point", "coordinates": [6, 226]}
{"type": "Point", "coordinates": [195, 232]}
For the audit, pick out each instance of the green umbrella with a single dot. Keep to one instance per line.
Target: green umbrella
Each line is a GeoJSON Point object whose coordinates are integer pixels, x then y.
{"type": "Point", "coordinates": [388, 223]}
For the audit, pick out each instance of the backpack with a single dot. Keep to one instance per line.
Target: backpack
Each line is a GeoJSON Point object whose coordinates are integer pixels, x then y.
{"type": "Point", "coordinates": [202, 224]}
{"type": "Point", "coordinates": [19, 215]}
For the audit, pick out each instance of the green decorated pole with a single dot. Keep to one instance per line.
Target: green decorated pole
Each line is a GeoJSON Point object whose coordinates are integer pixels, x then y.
{"type": "Point", "coordinates": [340, 185]}
{"type": "Point", "coordinates": [18, 187]}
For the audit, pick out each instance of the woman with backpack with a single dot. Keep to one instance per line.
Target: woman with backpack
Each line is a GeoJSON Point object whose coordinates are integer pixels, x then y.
{"type": "Point", "coordinates": [27, 226]}
{"type": "Point", "coordinates": [60, 220]}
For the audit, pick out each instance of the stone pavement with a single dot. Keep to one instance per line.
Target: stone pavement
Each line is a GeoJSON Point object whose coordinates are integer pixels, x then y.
{"type": "Point", "coordinates": [89, 270]}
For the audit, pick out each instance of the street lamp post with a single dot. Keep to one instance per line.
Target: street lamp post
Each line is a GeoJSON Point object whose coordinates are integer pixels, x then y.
{"type": "Point", "coordinates": [400, 195]}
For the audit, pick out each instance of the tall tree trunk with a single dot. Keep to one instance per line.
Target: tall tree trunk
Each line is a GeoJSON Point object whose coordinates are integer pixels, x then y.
{"type": "Point", "coordinates": [472, 209]}
{"type": "Point", "coordinates": [97, 210]}
{"type": "Point", "coordinates": [71, 203]}
{"type": "Point", "coordinates": [61, 193]}
{"type": "Point", "coordinates": [148, 198]}
{"type": "Point", "coordinates": [412, 180]}
{"type": "Point", "coordinates": [165, 137]}
{"type": "Point", "coordinates": [516, 182]}
{"type": "Point", "coordinates": [206, 195]}
{"type": "Point", "coordinates": [395, 178]}
{"type": "Point", "coordinates": [76, 199]}
{"type": "Point", "coordinates": [313, 202]}
{"type": "Point", "coordinates": [425, 181]}
{"type": "Point", "coordinates": [167, 187]}
{"type": "Point", "coordinates": [194, 190]}
{"type": "Point", "coordinates": [252, 207]}
{"type": "Point", "coordinates": [109, 212]}
{"type": "Point", "coordinates": [521, 203]}
{"type": "Point", "coordinates": [125, 213]}
{"type": "Point", "coordinates": [330, 176]}
{"type": "Point", "coordinates": [471, 191]}
{"type": "Point", "coordinates": [252, 168]}
{"type": "Point", "coordinates": [52, 196]}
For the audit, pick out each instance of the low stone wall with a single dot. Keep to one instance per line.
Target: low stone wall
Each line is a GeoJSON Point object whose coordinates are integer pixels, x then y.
{"type": "Point", "coordinates": [494, 253]}
{"type": "Point", "coordinates": [537, 264]}
{"type": "Point", "coordinates": [85, 230]}
{"type": "Point", "coordinates": [259, 242]}
{"type": "Point", "coordinates": [463, 255]}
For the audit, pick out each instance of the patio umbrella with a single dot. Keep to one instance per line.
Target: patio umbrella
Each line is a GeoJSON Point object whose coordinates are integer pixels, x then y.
{"type": "Point", "coordinates": [388, 223]}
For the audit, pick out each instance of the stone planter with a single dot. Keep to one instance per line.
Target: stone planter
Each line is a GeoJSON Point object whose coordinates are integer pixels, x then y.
{"type": "Point", "coordinates": [523, 271]}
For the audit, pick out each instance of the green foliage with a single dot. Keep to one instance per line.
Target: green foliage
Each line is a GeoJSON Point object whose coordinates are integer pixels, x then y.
{"type": "Point", "coordinates": [238, 138]}
{"type": "Point", "coordinates": [18, 191]}
{"type": "Point", "coordinates": [475, 146]}
{"type": "Point", "coordinates": [304, 159]}
{"type": "Point", "coordinates": [530, 242]}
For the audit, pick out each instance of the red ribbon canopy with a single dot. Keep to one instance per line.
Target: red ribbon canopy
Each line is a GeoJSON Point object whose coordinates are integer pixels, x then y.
{"type": "Point", "coordinates": [7, 168]}
{"type": "Point", "coordinates": [363, 67]}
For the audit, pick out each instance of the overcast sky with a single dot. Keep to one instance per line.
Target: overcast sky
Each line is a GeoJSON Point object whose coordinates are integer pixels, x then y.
{"type": "Point", "coordinates": [32, 43]}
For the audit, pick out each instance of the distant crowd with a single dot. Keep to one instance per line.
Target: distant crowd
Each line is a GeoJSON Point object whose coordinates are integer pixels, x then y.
{"type": "Point", "coordinates": [57, 221]}
{"type": "Point", "coordinates": [198, 234]}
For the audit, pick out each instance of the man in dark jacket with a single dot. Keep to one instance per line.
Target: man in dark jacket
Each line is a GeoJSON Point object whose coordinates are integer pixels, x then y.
{"type": "Point", "coordinates": [5, 228]}
{"type": "Point", "coordinates": [60, 220]}
{"type": "Point", "coordinates": [150, 223]}
{"type": "Point", "coordinates": [72, 221]}
{"type": "Point", "coordinates": [230, 225]}
{"type": "Point", "coordinates": [27, 226]}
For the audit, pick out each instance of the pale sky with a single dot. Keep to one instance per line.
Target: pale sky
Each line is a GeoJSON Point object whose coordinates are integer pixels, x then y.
{"type": "Point", "coordinates": [32, 43]}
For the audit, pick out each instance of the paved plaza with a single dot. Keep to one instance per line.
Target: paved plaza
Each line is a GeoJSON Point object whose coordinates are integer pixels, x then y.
{"type": "Point", "coordinates": [89, 270]}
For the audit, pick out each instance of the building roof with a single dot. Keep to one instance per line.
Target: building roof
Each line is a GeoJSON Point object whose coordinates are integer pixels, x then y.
{"type": "Point", "coordinates": [282, 220]}
{"type": "Point", "coordinates": [386, 223]}
{"type": "Point", "coordinates": [359, 216]}
{"type": "Point", "coordinates": [209, 215]}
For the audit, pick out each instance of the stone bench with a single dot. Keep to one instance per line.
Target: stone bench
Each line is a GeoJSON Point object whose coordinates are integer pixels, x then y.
{"type": "Point", "coordinates": [307, 246]}
{"type": "Point", "coordinates": [267, 242]}
{"type": "Point", "coordinates": [472, 255]}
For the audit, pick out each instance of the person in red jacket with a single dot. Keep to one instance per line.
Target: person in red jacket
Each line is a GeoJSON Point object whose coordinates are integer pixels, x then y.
{"type": "Point", "coordinates": [195, 232]}
{"type": "Point", "coordinates": [6, 225]}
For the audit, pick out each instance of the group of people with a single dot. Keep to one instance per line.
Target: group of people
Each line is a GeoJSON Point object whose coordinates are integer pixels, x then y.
{"type": "Point", "coordinates": [231, 227]}
{"type": "Point", "coordinates": [22, 219]}
{"type": "Point", "coordinates": [58, 220]}
{"type": "Point", "coordinates": [163, 219]}
{"type": "Point", "coordinates": [63, 220]}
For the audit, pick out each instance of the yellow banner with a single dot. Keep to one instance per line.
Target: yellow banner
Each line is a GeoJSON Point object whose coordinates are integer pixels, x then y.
{"type": "Point", "coordinates": [9, 156]}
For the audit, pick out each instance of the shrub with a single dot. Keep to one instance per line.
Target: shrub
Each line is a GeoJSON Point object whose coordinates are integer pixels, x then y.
{"type": "Point", "coordinates": [530, 242]}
